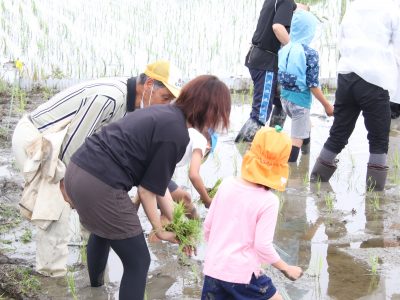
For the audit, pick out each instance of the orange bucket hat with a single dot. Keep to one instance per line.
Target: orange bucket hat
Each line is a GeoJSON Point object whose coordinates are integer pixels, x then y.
{"type": "Point", "coordinates": [266, 162]}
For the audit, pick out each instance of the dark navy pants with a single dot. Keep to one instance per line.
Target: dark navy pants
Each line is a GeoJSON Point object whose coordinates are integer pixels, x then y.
{"type": "Point", "coordinates": [258, 288]}
{"type": "Point", "coordinates": [355, 95]}
{"type": "Point", "coordinates": [265, 94]}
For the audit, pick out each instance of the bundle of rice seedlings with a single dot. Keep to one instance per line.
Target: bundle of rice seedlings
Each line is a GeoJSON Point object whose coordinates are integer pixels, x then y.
{"type": "Point", "coordinates": [214, 189]}
{"type": "Point", "coordinates": [188, 231]}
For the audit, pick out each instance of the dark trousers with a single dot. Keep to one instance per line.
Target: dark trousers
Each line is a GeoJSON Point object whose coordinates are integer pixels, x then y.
{"type": "Point", "coordinates": [258, 288]}
{"type": "Point", "coordinates": [355, 95]}
{"type": "Point", "coordinates": [264, 95]}
{"type": "Point", "coordinates": [135, 258]}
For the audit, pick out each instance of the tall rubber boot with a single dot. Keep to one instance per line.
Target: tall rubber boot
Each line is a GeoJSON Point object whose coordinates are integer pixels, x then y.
{"type": "Point", "coordinates": [376, 177]}
{"type": "Point", "coordinates": [305, 148]}
{"type": "Point", "coordinates": [322, 170]}
{"type": "Point", "coordinates": [278, 117]}
{"type": "Point", "coordinates": [248, 131]}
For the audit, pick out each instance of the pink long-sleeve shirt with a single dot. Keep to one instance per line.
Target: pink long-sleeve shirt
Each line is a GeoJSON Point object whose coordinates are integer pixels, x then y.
{"type": "Point", "coordinates": [239, 231]}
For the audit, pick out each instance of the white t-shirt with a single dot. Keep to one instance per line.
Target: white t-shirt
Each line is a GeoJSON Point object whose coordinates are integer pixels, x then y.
{"type": "Point", "coordinates": [197, 141]}
{"type": "Point", "coordinates": [369, 43]}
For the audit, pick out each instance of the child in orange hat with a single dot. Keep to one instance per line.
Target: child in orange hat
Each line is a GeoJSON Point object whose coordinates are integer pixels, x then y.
{"type": "Point", "coordinates": [240, 224]}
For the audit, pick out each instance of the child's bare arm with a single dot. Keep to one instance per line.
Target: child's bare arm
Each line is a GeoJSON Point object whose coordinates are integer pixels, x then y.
{"type": "Point", "coordinates": [291, 272]}
{"type": "Point", "coordinates": [321, 98]}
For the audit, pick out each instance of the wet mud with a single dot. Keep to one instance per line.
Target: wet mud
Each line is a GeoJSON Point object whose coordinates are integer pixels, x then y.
{"type": "Point", "coordinates": [346, 239]}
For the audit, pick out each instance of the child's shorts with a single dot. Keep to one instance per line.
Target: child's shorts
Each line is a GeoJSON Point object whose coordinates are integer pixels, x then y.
{"type": "Point", "coordinates": [301, 124]}
{"type": "Point", "coordinates": [258, 288]}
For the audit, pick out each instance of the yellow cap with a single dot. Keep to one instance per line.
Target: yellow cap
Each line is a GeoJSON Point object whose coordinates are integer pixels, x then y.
{"type": "Point", "coordinates": [167, 73]}
{"type": "Point", "coordinates": [266, 162]}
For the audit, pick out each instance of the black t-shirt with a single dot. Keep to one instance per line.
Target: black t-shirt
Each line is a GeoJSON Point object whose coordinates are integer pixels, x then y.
{"type": "Point", "coordinates": [142, 148]}
{"type": "Point", "coordinates": [272, 12]}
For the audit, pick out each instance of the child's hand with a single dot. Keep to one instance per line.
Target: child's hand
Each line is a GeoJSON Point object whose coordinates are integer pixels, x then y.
{"type": "Point", "coordinates": [329, 110]}
{"type": "Point", "coordinates": [293, 272]}
{"type": "Point", "coordinates": [190, 251]}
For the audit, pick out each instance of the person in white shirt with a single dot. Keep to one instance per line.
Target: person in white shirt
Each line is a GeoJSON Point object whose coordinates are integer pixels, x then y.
{"type": "Point", "coordinates": [369, 45]}
{"type": "Point", "coordinates": [86, 108]}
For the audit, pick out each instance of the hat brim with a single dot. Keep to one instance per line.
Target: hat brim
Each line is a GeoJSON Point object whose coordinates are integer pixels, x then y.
{"type": "Point", "coordinates": [174, 90]}
{"type": "Point", "coordinates": [274, 177]}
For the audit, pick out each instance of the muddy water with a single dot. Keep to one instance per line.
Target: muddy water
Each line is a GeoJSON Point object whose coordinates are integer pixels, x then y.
{"type": "Point", "coordinates": [334, 246]}
{"type": "Point", "coordinates": [349, 250]}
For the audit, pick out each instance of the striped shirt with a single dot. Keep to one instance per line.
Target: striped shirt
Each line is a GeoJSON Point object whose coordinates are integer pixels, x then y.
{"type": "Point", "coordinates": [88, 105]}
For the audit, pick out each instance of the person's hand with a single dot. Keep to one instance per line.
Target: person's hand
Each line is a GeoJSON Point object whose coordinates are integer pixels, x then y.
{"type": "Point", "coordinates": [293, 272]}
{"type": "Point", "coordinates": [189, 251]}
{"type": "Point", "coordinates": [329, 110]}
{"type": "Point", "coordinates": [206, 203]}
{"type": "Point", "coordinates": [166, 236]}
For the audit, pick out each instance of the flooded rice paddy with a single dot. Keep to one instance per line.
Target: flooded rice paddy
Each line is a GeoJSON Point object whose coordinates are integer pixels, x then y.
{"type": "Point", "coordinates": [346, 240]}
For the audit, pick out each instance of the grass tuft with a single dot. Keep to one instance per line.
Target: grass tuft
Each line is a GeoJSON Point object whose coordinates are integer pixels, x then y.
{"type": "Point", "coordinates": [188, 231]}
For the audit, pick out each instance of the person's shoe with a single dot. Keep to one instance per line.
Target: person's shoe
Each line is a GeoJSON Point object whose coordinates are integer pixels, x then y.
{"type": "Point", "coordinates": [376, 177]}
{"type": "Point", "coordinates": [278, 117]}
{"type": "Point", "coordinates": [322, 170]}
{"type": "Point", "coordinates": [248, 131]}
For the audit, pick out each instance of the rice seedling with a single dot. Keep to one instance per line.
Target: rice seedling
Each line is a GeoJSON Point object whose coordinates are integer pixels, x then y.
{"type": "Point", "coordinates": [188, 231]}
{"type": "Point", "coordinates": [71, 284]}
{"type": "Point", "coordinates": [370, 185]}
{"type": "Point", "coordinates": [29, 283]}
{"type": "Point", "coordinates": [83, 253]}
{"type": "Point", "coordinates": [306, 179]}
{"type": "Point", "coordinates": [26, 237]}
{"type": "Point", "coordinates": [395, 159]}
{"type": "Point", "coordinates": [214, 189]}
{"type": "Point", "coordinates": [374, 261]}
{"type": "Point", "coordinates": [281, 200]}
{"type": "Point", "coordinates": [375, 200]}
{"type": "Point", "coordinates": [329, 201]}
{"type": "Point", "coordinates": [318, 185]}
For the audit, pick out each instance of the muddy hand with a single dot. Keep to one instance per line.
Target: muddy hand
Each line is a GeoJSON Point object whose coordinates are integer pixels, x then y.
{"type": "Point", "coordinates": [293, 272]}
{"type": "Point", "coordinates": [167, 236]}
{"type": "Point", "coordinates": [189, 251]}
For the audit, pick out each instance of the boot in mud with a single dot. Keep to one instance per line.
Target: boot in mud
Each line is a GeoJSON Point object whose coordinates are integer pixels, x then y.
{"type": "Point", "coordinates": [248, 131]}
{"type": "Point", "coordinates": [278, 117]}
{"type": "Point", "coordinates": [305, 148]}
{"type": "Point", "coordinates": [322, 170]}
{"type": "Point", "coordinates": [376, 177]}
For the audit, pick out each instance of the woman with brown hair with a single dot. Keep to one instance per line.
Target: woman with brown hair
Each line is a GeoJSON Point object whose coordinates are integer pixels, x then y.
{"type": "Point", "coordinates": [142, 150]}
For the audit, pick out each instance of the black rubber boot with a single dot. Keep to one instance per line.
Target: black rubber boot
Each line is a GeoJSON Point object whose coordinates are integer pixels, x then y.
{"type": "Point", "coordinates": [305, 148]}
{"type": "Point", "coordinates": [248, 131]}
{"type": "Point", "coordinates": [278, 117]}
{"type": "Point", "coordinates": [376, 177]}
{"type": "Point", "coordinates": [322, 170]}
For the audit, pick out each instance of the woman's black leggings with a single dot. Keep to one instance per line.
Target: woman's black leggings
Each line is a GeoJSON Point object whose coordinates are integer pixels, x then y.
{"type": "Point", "coordinates": [135, 258]}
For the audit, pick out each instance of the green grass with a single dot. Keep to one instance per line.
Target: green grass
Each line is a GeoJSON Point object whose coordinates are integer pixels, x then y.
{"type": "Point", "coordinates": [9, 217]}
{"type": "Point", "coordinates": [26, 237]}
{"type": "Point", "coordinates": [71, 284]}
{"type": "Point", "coordinates": [188, 231]}
{"type": "Point", "coordinates": [83, 253]}
{"type": "Point", "coordinates": [214, 189]}
{"type": "Point", "coordinates": [329, 201]}
{"type": "Point", "coordinates": [374, 260]}
{"type": "Point", "coordinates": [28, 282]}
{"type": "Point", "coordinates": [375, 201]}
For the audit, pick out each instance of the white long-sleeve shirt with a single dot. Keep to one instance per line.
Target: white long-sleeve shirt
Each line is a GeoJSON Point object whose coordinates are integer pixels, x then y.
{"type": "Point", "coordinates": [369, 43]}
{"type": "Point", "coordinates": [89, 106]}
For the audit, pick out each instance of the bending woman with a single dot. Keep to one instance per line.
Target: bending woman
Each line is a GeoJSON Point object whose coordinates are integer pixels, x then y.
{"type": "Point", "coordinates": [142, 150]}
